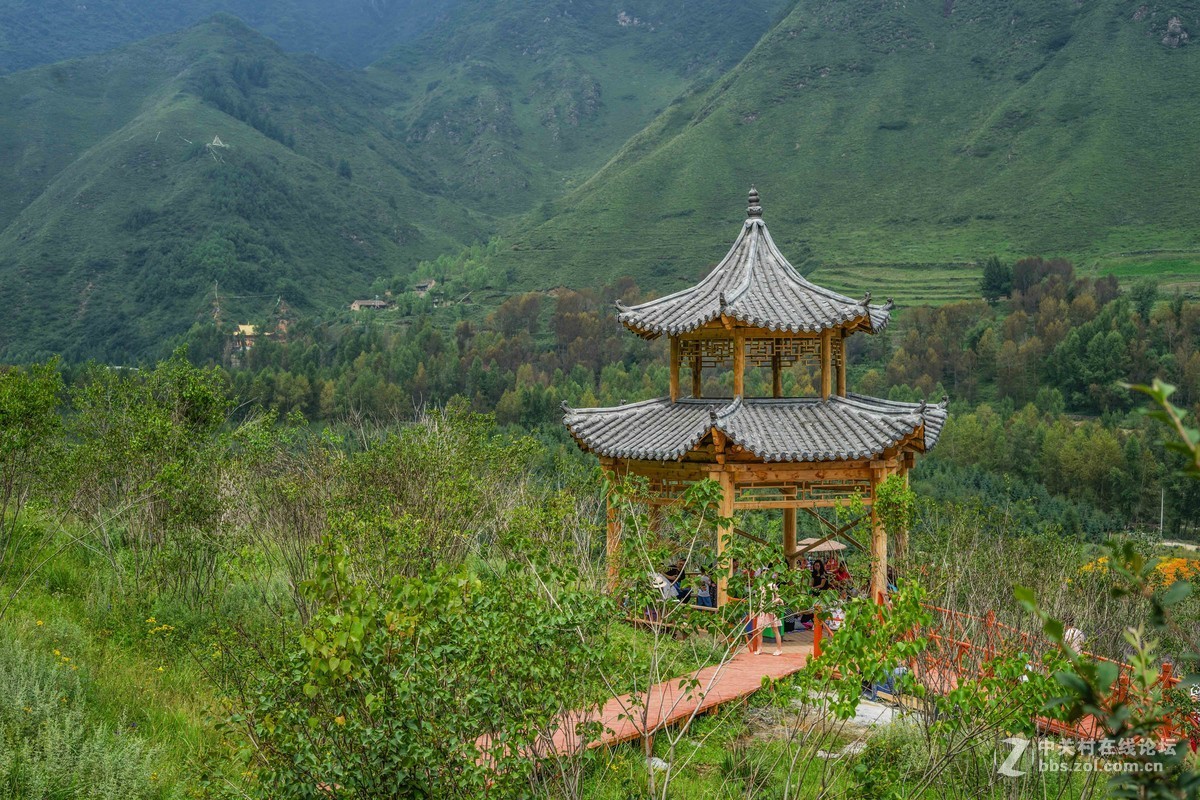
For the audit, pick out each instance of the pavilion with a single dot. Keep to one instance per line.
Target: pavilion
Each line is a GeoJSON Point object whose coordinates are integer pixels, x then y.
{"type": "Point", "coordinates": [790, 453]}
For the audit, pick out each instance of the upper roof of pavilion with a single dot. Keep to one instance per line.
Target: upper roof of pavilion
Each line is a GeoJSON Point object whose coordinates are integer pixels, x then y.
{"type": "Point", "coordinates": [755, 285]}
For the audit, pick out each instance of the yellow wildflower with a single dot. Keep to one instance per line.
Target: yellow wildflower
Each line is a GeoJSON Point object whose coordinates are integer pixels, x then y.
{"type": "Point", "coordinates": [1171, 570]}
{"type": "Point", "coordinates": [40, 623]}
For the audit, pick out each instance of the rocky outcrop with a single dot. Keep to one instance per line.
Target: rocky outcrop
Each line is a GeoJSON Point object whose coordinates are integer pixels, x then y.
{"type": "Point", "coordinates": [1176, 34]}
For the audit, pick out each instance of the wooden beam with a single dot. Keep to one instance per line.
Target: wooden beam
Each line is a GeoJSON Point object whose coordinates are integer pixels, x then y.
{"type": "Point", "coordinates": [697, 376]}
{"type": "Point", "coordinates": [826, 363]}
{"type": "Point", "coordinates": [832, 502]}
{"type": "Point", "coordinates": [841, 380]}
{"type": "Point", "coordinates": [718, 438]}
{"type": "Point", "coordinates": [776, 375]}
{"type": "Point", "coordinates": [842, 532]}
{"type": "Point", "coordinates": [748, 474]}
{"type": "Point", "coordinates": [674, 368]}
{"type": "Point", "coordinates": [719, 329]}
{"type": "Point", "coordinates": [751, 536]}
{"type": "Point", "coordinates": [739, 363]}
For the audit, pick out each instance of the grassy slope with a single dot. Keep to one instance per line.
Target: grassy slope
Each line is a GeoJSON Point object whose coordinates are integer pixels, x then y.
{"type": "Point", "coordinates": [894, 144]}
{"type": "Point", "coordinates": [119, 220]}
{"type": "Point", "coordinates": [513, 102]}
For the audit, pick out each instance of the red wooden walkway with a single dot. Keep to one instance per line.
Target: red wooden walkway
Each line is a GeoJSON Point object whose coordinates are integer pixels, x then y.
{"type": "Point", "coordinates": [679, 700]}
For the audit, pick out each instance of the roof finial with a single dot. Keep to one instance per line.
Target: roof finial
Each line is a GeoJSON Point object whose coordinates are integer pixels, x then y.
{"type": "Point", "coordinates": [755, 208]}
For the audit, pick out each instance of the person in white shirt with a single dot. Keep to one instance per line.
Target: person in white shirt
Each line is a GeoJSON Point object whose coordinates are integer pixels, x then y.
{"type": "Point", "coordinates": [664, 585]}
{"type": "Point", "coordinates": [1072, 636]}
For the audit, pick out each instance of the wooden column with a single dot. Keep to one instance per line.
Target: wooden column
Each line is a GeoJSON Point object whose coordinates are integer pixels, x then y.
{"type": "Point", "coordinates": [900, 545]}
{"type": "Point", "coordinates": [776, 375]}
{"type": "Point", "coordinates": [739, 363]}
{"type": "Point", "coordinates": [841, 380]}
{"type": "Point", "coordinates": [613, 540]}
{"type": "Point", "coordinates": [789, 536]}
{"type": "Point", "coordinates": [826, 363]}
{"type": "Point", "coordinates": [697, 376]}
{"type": "Point", "coordinates": [878, 537]}
{"type": "Point", "coordinates": [674, 368]}
{"type": "Point", "coordinates": [724, 534]}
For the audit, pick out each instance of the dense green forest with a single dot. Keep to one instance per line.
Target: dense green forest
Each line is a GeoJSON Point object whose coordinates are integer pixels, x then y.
{"type": "Point", "coordinates": [1033, 379]}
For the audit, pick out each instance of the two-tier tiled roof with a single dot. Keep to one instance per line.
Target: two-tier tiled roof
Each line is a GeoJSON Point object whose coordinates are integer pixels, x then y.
{"type": "Point", "coordinates": [774, 429]}
{"type": "Point", "coordinates": [754, 284]}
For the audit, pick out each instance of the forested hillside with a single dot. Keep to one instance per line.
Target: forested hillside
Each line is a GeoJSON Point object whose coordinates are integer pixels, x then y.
{"type": "Point", "coordinates": [895, 143]}
{"type": "Point", "coordinates": [122, 214]}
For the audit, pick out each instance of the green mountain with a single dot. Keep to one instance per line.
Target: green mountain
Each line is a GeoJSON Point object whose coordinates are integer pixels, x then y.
{"type": "Point", "coordinates": [123, 223]}
{"type": "Point", "coordinates": [894, 142]}
{"type": "Point", "coordinates": [511, 102]}
{"type": "Point", "coordinates": [352, 32]}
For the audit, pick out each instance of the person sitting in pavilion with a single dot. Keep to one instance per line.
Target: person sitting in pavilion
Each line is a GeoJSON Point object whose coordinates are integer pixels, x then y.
{"type": "Point", "coordinates": [839, 576]}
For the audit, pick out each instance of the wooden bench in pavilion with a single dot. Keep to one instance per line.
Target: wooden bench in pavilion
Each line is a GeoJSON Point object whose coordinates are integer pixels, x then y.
{"type": "Point", "coordinates": [789, 453]}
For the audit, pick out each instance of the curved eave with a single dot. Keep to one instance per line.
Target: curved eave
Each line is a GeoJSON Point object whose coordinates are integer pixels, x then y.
{"type": "Point", "coordinates": [773, 430]}
{"type": "Point", "coordinates": [874, 321]}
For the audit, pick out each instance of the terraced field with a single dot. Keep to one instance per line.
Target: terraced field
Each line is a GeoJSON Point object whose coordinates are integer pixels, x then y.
{"type": "Point", "coordinates": [907, 284]}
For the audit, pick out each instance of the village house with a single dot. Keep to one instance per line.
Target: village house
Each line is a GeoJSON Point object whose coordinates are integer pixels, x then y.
{"type": "Point", "coordinates": [370, 305]}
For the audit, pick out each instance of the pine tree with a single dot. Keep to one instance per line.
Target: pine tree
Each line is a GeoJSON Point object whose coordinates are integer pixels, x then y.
{"type": "Point", "coordinates": [997, 280]}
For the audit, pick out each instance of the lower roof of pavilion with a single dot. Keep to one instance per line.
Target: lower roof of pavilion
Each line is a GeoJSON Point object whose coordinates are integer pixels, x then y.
{"type": "Point", "coordinates": [847, 428]}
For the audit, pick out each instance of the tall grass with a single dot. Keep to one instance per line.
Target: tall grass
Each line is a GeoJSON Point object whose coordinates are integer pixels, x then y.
{"type": "Point", "coordinates": [50, 749]}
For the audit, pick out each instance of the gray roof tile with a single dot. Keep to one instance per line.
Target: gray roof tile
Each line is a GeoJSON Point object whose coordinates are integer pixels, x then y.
{"type": "Point", "coordinates": [756, 285]}
{"type": "Point", "coordinates": [784, 429]}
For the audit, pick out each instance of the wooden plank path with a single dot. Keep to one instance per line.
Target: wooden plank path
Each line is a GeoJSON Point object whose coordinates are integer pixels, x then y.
{"type": "Point", "coordinates": [679, 700]}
